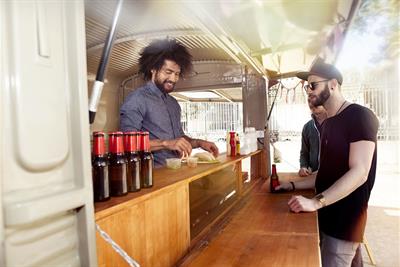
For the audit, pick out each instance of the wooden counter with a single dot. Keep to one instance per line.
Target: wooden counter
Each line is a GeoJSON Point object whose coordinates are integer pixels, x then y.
{"type": "Point", "coordinates": [153, 225]}
{"type": "Point", "coordinates": [262, 232]}
{"type": "Point", "coordinates": [168, 224]}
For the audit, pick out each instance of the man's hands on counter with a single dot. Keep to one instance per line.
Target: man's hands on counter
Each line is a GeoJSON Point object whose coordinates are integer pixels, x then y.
{"type": "Point", "coordinates": [179, 144]}
{"type": "Point", "coordinates": [208, 146]}
{"type": "Point", "coordinates": [285, 187]}
{"type": "Point", "coordinates": [305, 171]}
{"type": "Point", "coordinates": [299, 203]}
{"type": "Point", "coordinates": [184, 145]}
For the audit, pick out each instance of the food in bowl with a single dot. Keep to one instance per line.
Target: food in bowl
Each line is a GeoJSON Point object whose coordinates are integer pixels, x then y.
{"type": "Point", "coordinates": [205, 156]}
{"type": "Point", "coordinates": [173, 163]}
{"type": "Point", "coordinates": [192, 162]}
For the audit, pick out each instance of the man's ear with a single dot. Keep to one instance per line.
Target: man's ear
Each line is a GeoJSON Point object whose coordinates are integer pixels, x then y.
{"type": "Point", "coordinates": [153, 74]}
{"type": "Point", "coordinates": [334, 83]}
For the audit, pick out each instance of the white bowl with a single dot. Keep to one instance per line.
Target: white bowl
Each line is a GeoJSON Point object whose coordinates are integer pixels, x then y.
{"type": "Point", "coordinates": [173, 163]}
{"type": "Point", "coordinates": [192, 162]}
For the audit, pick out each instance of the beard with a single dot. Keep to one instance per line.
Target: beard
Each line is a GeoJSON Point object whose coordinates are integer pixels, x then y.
{"type": "Point", "coordinates": [164, 85]}
{"type": "Point", "coordinates": [320, 99]}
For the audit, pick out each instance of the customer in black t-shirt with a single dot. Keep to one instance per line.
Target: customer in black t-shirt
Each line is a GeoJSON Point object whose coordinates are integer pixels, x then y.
{"type": "Point", "coordinates": [347, 169]}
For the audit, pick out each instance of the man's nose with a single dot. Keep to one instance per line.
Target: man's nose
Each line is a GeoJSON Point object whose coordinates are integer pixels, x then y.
{"type": "Point", "coordinates": [173, 77]}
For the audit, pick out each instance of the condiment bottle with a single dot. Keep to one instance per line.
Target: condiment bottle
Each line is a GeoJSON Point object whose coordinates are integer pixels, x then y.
{"type": "Point", "coordinates": [237, 144]}
{"type": "Point", "coordinates": [232, 142]}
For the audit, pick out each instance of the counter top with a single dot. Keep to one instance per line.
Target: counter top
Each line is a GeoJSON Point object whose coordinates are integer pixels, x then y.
{"type": "Point", "coordinates": [165, 179]}
{"type": "Point", "coordinates": [263, 232]}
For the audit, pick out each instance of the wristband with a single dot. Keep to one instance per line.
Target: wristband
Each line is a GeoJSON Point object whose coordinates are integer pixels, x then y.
{"type": "Point", "coordinates": [321, 199]}
{"type": "Point", "coordinates": [293, 187]}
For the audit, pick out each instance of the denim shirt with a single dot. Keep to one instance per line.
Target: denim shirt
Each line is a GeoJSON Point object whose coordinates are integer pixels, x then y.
{"type": "Point", "coordinates": [149, 109]}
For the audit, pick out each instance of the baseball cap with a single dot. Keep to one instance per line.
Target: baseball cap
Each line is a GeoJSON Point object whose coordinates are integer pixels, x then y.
{"type": "Point", "coordinates": [322, 69]}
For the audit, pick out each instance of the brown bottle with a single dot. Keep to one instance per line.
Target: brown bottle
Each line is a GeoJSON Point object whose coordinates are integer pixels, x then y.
{"type": "Point", "coordinates": [133, 161]}
{"type": "Point", "coordinates": [101, 186]}
{"type": "Point", "coordinates": [146, 161]}
{"type": "Point", "coordinates": [117, 165]}
{"type": "Point", "coordinates": [274, 180]}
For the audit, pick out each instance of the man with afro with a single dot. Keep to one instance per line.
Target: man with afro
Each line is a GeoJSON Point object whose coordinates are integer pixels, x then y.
{"type": "Point", "coordinates": [150, 108]}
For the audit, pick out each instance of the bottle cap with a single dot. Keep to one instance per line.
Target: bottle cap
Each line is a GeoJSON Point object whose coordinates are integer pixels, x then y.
{"type": "Point", "coordinates": [115, 142]}
{"type": "Point", "coordinates": [145, 142]}
{"type": "Point", "coordinates": [130, 141]}
{"type": "Point", "coordinates": [98, 143]}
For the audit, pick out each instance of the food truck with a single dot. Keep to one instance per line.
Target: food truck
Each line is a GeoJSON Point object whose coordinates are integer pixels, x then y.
{"type": "Point", "coordinates": [216, 214]}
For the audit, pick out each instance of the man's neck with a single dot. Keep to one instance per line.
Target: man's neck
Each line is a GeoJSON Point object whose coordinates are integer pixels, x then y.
{"type": "Point", "coordinates": [333, 104]}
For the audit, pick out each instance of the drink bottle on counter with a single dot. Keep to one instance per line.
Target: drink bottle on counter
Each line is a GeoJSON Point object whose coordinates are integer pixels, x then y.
{"type": "Point", "coordinates": [117, 165]}
{"type": "Point", "coordinates": [274, 180]}
{"type": "Point", "coordinates": [232, 143]}
{"type": "Point", "coordinates": [133, 161]}
{"type": "Point", "coordinates": [237, 140]}
{"type": "Point", "coordinates": [146, 161]}
{"type": "Point", "coordinates": [101, 186]}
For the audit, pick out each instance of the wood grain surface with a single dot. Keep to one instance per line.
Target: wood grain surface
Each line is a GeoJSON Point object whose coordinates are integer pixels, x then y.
{"type": "Point", "coordinates": [263, 232]}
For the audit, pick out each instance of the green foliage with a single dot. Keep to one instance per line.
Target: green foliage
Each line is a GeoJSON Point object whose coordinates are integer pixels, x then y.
{"type": "Point", "coordinates": [385, 12]}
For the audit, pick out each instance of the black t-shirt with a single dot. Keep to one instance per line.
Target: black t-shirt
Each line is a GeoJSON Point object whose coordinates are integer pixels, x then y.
{"type": "Point", "coordinates": [346, 218]}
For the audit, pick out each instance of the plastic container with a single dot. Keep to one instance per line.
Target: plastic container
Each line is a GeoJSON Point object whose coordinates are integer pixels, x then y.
{"type": "Point", "coordinates": [192, 162]}
{"type": "Point", "coordinates": [173, 163]}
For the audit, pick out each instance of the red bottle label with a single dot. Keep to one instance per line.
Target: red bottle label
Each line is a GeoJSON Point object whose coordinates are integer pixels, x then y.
{"type": "Point", "coordinates": [98, 143]}
{"type": "Point", "coordinates": [130, 141]}
{"type": "Point", "coordinates": [115, 142]}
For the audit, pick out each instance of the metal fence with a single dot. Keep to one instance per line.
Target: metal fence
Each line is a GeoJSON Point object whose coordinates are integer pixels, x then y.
{"type": "Point", "coordinates": [211, 120]}
{"type": "Point", "coordinates": [378, 91]}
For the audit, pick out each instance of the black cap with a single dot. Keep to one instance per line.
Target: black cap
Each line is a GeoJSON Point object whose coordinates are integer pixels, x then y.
{"type": "Point", "coordinates": [322, 69]}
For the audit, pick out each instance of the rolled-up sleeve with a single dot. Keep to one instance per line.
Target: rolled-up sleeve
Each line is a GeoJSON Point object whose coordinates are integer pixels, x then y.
{"type": "Point", "coordinates": [132, 113]}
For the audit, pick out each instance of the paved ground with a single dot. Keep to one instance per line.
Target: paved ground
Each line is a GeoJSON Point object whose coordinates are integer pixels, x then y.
{"type": "Point", "coordinates": [383, 226]}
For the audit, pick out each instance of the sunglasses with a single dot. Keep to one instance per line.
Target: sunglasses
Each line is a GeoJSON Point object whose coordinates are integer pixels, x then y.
{"type": "Point", "coordinates": [313, 85]}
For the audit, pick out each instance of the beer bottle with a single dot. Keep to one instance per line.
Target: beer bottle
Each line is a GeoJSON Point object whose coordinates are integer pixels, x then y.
{"type": "Point", "coordinates": [146, 161]}
{"type": "Point", "coordinates": [133, 161]}
{"type": "Point", "coordinates": [274, 180]}
{"type": "Point", "coordinates": [117, 165]}
{"type": "Point", "coordinates": [101, 186]}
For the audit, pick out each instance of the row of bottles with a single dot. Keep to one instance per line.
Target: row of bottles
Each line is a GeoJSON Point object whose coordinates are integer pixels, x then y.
{"type": "Point", "coordinates": [127, 167]}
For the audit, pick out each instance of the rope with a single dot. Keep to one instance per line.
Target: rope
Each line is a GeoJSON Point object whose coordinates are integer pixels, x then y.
{"type": "Point", "coordinates": [117, 248]}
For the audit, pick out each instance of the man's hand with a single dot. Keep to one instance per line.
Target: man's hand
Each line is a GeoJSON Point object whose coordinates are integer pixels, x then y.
{"type": "Point", "coordinates": [299, 203]}
{"type": "Point", "coordinates": [180, 144]}
{"type": "Point", "coordinates": [209, 146]}
{"type": "Point", "coordinates": [284, 186]}
{"type": "Point", "coordinates": [305, 171]}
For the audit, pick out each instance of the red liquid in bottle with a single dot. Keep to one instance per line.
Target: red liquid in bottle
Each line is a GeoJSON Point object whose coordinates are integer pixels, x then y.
{"type": "Point", "coordinates": [133, 161]}
{"type": "Point", "coordinates": [274, 179]}
{"type": "Point", "coordinates": [232, 143]}
{"type": "Point", "coordinates": [101, 186]}
{"type": "Point", "coordinates": [117, 165]}
{"type": "Point", "coordinates": [146, 161]}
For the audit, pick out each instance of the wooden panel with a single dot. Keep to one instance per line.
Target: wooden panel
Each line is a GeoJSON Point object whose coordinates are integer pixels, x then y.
{"type": "Point", "coordinates": [259, 165]}
{"type": "Point", "coordinates": [154, 232]}
{"type": "Point", "coordinates": [210, 196]}
{"type": "Point", "coordinates": [131, 238]}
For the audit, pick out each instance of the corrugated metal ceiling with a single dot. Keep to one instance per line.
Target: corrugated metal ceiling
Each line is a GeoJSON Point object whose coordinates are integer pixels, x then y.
{"type": "Point", "coordinates": [281, 36]}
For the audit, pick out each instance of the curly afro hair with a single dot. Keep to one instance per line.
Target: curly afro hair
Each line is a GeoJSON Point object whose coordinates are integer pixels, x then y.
{"type": "Point", "coordinates": [153, 56]}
